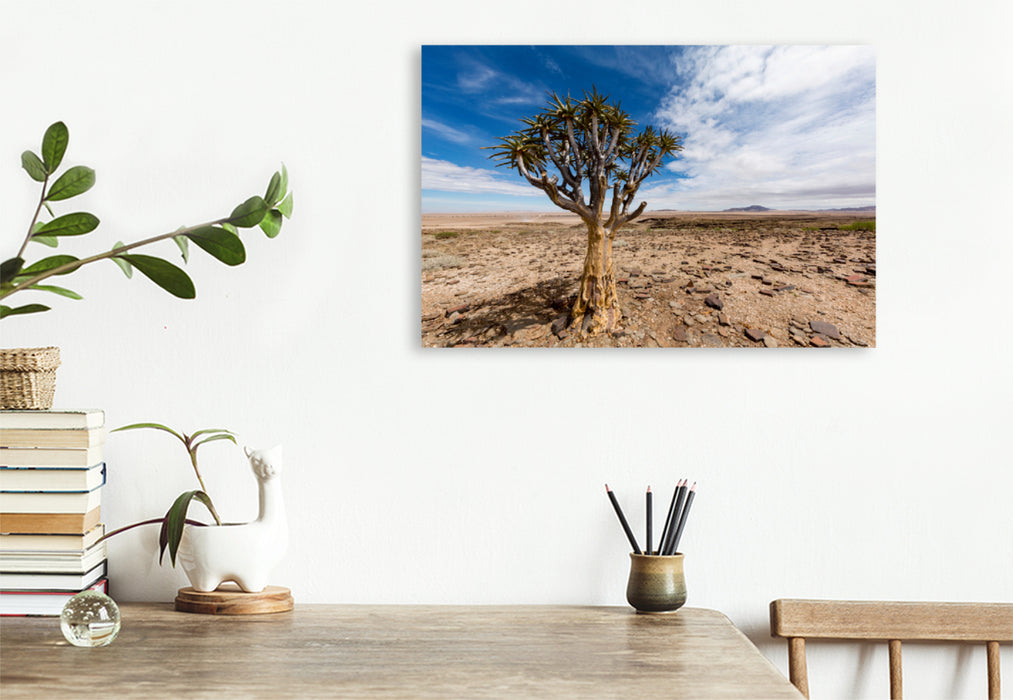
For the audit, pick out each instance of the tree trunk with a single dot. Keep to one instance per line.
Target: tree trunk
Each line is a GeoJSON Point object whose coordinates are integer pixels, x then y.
{"type": "Point", "coordinates": [597, 305]}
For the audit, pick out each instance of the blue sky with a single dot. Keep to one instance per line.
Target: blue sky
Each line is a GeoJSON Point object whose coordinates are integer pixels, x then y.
{"type": "Point", "coordinates": [786, 127]}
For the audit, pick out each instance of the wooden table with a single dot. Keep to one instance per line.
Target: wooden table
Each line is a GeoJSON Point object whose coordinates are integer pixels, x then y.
{"type": "Point", "coordinates": [394, 651]}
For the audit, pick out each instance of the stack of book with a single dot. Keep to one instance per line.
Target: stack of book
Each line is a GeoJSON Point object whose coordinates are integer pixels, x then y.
{"type": "Point", "coordinates": [51, 478]}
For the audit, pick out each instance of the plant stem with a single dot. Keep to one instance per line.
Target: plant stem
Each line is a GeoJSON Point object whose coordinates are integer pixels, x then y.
{"type": "Point", "coordinates": [108, 254]}
{"type": "Point", "coordinates": [193, 461]}
{"type": "Point", "coordinates": [31, 226]}
{"type": "Point", "coordinates": [144, 522]}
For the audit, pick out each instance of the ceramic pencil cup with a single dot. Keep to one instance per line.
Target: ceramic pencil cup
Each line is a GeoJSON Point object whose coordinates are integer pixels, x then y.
{"type": "Point", "coordinates": [656, 584]}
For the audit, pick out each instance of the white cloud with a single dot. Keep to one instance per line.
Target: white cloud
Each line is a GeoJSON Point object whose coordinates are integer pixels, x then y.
{"type": "Point", "coordinates": [447, 132]}
{"type": "Point", "coordinates": [447, 177]}
{"type": "Point", "coordinates": [781, 126]}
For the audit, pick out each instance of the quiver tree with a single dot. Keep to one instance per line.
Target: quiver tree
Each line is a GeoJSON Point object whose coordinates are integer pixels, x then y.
{"type": "Point", "coordinates": [588, 158]}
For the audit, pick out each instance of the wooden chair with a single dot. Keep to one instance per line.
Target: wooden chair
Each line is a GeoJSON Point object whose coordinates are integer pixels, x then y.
{"type": "Point", "coordinates": [799, 620]}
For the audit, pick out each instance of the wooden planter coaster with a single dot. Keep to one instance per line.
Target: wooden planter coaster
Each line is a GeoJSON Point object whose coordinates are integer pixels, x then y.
{"type": "Point", "coordinates": [229, 599]}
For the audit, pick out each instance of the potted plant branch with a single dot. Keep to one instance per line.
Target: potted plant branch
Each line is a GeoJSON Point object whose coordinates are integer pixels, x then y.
{"type": "Point", "coordinates": [241, 552]}
{"type": "Point", "coordinates": [218, 237]}
{"type": "Point", "coordinates": [174, 519]}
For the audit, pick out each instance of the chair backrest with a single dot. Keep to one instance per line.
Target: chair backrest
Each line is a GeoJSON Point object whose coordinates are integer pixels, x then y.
{"type": "Point", "coordinates": [891, 622]}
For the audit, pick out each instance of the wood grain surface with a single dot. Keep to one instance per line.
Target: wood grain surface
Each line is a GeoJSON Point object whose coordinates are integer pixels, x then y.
{"type": "Point", "coordinates": [886, 620]}
{"type": "Point", "coordinates": [229, 599]}
{"type": "Point", "coordinates": [395, 652]}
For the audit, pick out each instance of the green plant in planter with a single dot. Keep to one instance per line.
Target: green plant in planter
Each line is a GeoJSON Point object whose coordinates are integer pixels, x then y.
{"type": "Point", "coordinates": [175, 518]}
{"type": "Point", "coordinates": [219, 237]}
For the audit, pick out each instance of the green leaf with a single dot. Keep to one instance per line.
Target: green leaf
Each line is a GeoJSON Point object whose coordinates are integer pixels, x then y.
{"type": "Point", "coordinates": [249, 213]}
{"type": "Point", "coordinates": [175, 519]}
{"type": "Point", "coordinates": [54, 145]}
{"type": "Point", "coordinates": [47, 264]}
{"type": "Point", "coordinates": [184, 247]}
{"type": "Point", "coordinates": [164, 274]}
{"type": "Point", "coordinates": [213, 438]}
{"type": "Point", "coordinates": [33, 166]}
{"type": "Point", "coordinates": [274, 191]}
{"type": "Point", "coordinates": [127, 268]}
{"type": "Point", "coordinates": [9, 269]}
{"type": "Point", "coordinates": [51, 241]}
{"type": "Point", "coordinates": [271, 225]}
{"type": "Point", "coordinates": [6, 311]}
{"type": "Point", "coordinates": [62, 291]}
{"type": "Point", "coordinates": [75, 181]}
{"type": "Point", "coordinates": [211, 430]}
{"type": "Point", "coordinates": [69, 225]}
{"type": "Point", "coordinates": [230, 228]}
{"type": "Point", "coordinates": [286, 206]}
{"type": "Point", "coordinates": [284, 179]}
{"type": "Point", "coordinates": [220, 244]}
{"type": "Point", "coordinates": [153, 426]}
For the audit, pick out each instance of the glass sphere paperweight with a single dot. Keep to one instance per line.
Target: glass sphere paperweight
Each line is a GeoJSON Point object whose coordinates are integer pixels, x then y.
{"type": "Point", "coordinates": [90, 619]}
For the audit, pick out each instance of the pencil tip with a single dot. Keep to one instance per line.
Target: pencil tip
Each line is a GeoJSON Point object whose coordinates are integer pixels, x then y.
{"type": "Point", "coordinates": [607, 487]}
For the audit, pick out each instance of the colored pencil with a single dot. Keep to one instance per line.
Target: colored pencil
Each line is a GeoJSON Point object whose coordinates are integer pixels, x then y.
{"type": "Point", "coordinates": [622, 520]}
{"type": "Point", "coordinates": [650, 517]}
{"type": "Point", "coordinates": [683, 517]}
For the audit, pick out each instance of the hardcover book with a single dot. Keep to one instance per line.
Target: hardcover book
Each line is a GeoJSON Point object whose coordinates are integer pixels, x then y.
{"type": "Point", "coordinates": [52, 523]}
{"type": "Point", "coordinates": [41, 603]}
{"type": "Point", "coordinates": [66, 458]}
{"type": "Point", "coordinates": [58, 439]}
{"type": "Point", "coordinates": [83, 419]}
{"type": "Point", "coordinates": [50, 479]}
{"type": "Point", "coordinates": [48, 502]}
{"type": "Point", "coordinates": [52, 582]}
{"type": "Point", "coordinates": [45, 542]}
{"type": "Point", "coordinates": [53, 562]}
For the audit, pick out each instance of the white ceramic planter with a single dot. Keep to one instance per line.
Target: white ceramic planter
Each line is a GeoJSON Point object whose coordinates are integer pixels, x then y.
{"type": "Point", "coordinates": [245, 553]}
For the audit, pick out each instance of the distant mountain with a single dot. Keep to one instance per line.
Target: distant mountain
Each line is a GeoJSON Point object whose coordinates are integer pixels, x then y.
{"type": "Point", "coordinates": [872, 208]}
{"type": "Point", "coordinates": [755, 207]}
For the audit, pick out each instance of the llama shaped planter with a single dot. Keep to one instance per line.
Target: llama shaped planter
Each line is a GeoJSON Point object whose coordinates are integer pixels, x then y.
{"type": "Point", "coordinates": [245, 553]}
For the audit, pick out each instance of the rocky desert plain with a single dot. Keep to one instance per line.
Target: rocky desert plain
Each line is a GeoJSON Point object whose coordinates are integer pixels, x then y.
{"type": "Point", "coordinates": [759, 279]}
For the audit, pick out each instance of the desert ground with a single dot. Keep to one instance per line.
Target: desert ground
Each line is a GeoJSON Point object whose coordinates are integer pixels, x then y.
{"type": "Point", "coordinates": [685, 279]}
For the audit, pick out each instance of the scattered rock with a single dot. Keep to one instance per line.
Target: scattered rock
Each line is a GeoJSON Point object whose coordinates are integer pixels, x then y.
{"type": "Point", "coordinates": [723, 320]}
{"type": "Point", "coordinates": [463, 308]}
{"type": "Point", "coordinates": [679, 334]}
{"type": "Point", "coordinates": [769, 342]}
{"type": "Point", "coordinates": [559, 327]}
{"type": "Point", "coordinates": [755, 334]}
{"type": "Point", "coordinates": [711, 341]}
{"type": "Point", "coordinates": [688, 320]}
{"type": "Point", "coordinates": [714, 302]}
{"type": "Point", "coordinates": [825, 329]}
{"type": "Point", "coordinates": [818, 341]}
{"type": "Point", "coordinates": [784, 288]}
{"type": "Point", "coordinates": [767, 292]}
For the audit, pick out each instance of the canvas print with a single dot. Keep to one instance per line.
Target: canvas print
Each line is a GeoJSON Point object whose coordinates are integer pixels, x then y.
{"type": "Point", "coordinates": [648, 196]}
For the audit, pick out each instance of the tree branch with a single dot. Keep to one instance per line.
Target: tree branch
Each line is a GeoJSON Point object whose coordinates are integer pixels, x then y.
{"type": "Point", "coordinates": [31, 226]}
{"type": "Point", "coordinates": [108, 254]}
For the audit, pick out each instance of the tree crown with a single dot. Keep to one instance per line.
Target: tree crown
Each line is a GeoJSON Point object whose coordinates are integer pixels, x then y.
{"type": "Point", "coordinates": [592, 139]}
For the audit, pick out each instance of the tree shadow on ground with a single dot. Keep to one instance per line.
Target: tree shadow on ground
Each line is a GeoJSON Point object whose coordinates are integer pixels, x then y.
{"type": "Point", "coordinates": [521, 315]}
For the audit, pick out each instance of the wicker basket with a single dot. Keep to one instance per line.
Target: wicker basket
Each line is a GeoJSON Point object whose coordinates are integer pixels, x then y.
{"type": "Point", "coordinates": [28, 377]}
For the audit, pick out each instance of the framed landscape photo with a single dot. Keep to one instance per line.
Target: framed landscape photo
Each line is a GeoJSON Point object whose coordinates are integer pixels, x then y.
{"type": "Point", "coordinates": [648, 196]}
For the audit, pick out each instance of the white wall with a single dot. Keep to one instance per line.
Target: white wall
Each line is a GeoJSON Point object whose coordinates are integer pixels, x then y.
{"type": "Point", "coordinates": [476, 477]}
